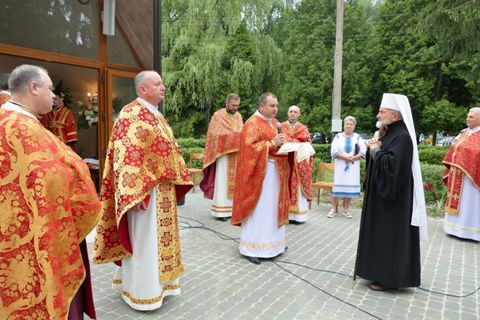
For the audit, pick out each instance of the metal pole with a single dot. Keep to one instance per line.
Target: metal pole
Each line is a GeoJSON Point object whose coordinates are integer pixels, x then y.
{"type": "Point", "coordinates": [337, 73]}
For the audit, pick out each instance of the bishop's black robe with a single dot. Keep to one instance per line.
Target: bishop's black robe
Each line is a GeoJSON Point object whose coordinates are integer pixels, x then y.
{"type": "Point", "coordinates": [388, 246]}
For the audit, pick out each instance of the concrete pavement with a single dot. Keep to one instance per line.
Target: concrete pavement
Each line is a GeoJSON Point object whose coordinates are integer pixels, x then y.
{"type": "Point", "coordinates": [312, 280]}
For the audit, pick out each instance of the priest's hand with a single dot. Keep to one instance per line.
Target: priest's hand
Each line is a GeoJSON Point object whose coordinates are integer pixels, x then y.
{"type": "Point", "coordinates": [374, 144]}
{"type": "Point", "coordinates": [279, 139]}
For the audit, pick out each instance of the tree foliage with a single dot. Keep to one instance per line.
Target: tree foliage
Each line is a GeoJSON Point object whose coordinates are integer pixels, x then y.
{"type": "Point", "coordinates": [426, 49]}
{"type": "Point", "coordinates": [213, 48]}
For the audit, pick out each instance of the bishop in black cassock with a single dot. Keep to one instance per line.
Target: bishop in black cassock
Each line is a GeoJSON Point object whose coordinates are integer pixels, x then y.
{"type": "Point", "coordinates": [394, 209]}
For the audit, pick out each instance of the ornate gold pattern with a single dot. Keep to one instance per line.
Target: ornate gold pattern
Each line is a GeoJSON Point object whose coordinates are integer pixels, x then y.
{"type": "Point", "coordinates": [256, 147]}
{"type": "Point", "coordinates": [261, 246]}
{"type": "Point", "coordinates": [231, 171]}
{"type": "Point", "coordinates": [169, 258]}
{"type": "Point", "coordinates": [48, 205]}
{"type": "Point", "coordinates": [222, 136]}
{"type": "Point", "coordinates": [151, 300]}
{"type": "Point", "coordinates": [461, 160]}
{"type": "Point", "coordinates": [142, 154]}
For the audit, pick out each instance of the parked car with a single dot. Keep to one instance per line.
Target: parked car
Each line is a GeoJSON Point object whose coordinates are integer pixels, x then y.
{"type": "Point", "coordinates": [445, 141]}
{"type": "Point", "coordinates": [318, 138]}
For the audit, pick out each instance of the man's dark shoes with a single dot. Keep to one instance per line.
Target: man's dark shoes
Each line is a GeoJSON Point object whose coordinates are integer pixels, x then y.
{"type": "Point", "coordinates": [375, 286]}
{"type": "Point", "coordinates": [223, 219]}
{"type": "Point", "coordinates": [254, 260]}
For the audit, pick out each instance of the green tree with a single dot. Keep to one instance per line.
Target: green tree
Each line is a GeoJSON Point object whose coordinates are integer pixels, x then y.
{"type": "Point", "coordinates": [414, 62]}
{"type": "Point", "coordinates": [442, 116]}
{"type": "Point", "coordinates": [306, 35]}
{"type": "Point", "coordinates": [212, 48]}
{"type": "Point", "coordinates": [453, 24]}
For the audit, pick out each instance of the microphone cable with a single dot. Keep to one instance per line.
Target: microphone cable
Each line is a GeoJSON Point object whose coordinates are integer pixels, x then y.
{"type": "Point", "coordinates": [186, 225]}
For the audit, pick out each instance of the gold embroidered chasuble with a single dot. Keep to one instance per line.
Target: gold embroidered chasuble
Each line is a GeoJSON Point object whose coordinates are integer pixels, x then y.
{"type": "Point", "coordinates": [61, 123]}
{"type": "Point", "coordinates": [223, 137]}
{"type": "Point", "coordinates": [298, 132]}
{"type": "Point", "coordinates": [463, 158]}
{"type": "Point", "coordinates": [48, 205]}
{"type": "Point", "coordinates": [256, 147]}
{"type": "Point", "coordinates": [142, 154]}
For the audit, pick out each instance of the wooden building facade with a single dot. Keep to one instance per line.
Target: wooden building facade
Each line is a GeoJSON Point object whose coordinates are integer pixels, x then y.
{"type": "Point", "coordinates": [94, 70]}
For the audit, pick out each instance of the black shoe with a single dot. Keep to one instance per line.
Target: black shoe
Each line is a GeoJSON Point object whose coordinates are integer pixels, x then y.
{"type": "Point", "coordinates": [223, 219]}
{"type": "Point", "coordinates": [254, 260]}
{"type": "Point", "coordinates": [286, 248]}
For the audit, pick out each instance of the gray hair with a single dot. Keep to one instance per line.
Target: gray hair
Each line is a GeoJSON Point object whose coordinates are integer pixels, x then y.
{"type": "Point", "coordinates": [140, 77]}
{"type": "Point", "coordinates": [351, 119]}
{"type": "Point", "coordinates": [474, 109]}
{"type": "Point", "coordinates": [23, 75]}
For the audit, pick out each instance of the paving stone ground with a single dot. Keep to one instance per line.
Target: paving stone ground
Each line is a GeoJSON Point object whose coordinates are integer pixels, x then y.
{"type": "Point", "coordinates": [312, 280]}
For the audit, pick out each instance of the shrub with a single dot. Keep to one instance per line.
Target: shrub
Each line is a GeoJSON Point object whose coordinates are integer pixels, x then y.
{"type": "Point", "coordinates": [191, 145]}
{"type": "Point", "coordinates": [432, 154]}
{"type": "Point", "coordinates": [322, 152]}
{"type": "Point", "coordinates": [434, 188]}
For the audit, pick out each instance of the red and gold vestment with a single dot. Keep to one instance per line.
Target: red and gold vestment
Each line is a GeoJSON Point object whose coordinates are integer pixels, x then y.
{"type": "Point", "coordinates": [142, 154]}
{"type": "Point", "coordinates": [61, 123]}
{"type": "Point", "coordinates": [298, 132]}
{"type": "Point", "coordinates": [223, 137]}
{"type": "Point", "coordinates": [463, 158]}
{"type": "Point", "coordinates": [256, 147]}
{"type": "Point", "coordinates": [48, 205]}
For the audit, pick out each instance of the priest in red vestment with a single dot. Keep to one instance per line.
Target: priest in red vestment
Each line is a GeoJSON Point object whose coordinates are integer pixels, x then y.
{"type": "Point", "coordinates": [61, 122]}
{"type": "Point", "coordinates": [48, 206]}
{"type": "Point", "coordinates": [220, 157]}
{"type": "Point", "coordinates": [144, 176]}
{"type": "Point", "coordinates": [302, 172]}
{"type": "Point", "coordinates": [462, 177]}
{"type": "Point", "coordinates": [262, 192]}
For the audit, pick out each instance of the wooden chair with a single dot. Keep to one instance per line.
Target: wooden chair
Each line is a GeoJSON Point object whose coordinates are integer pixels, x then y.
{"type": "Point", "coordinates": [320, 183]}
{"type": "Point", "coordinates": [195, 171]}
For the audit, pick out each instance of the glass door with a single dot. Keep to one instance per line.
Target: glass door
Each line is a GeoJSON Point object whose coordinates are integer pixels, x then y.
{"type": "Point", "coordinates": [120, 92]}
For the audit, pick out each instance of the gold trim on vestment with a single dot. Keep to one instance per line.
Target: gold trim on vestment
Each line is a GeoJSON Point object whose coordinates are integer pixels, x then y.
{"type": "Point", "coordinates": [261, 246]}
{"type": "Point", "coordinates": [150, 300]}
{"type": "Point", "coordinates": [221, 210]}
{"type": "Point", "coordinates": [293, 209]}
{"type": "Point", "coordinates": [231, 171]}
{"type": "Point", "coordinates": [457, 227]}
{"type": "Point", "coordinates": [170, 264]}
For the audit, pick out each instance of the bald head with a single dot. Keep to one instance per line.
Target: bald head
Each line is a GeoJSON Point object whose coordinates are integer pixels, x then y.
{"type": "Point", "coordinates": [149, 86]}
{"type": "Point", "coordinates": [32, 87]}
{"type": "Point", "coordinates": [293, 114]}
{"type": "Point", "coordinates": [473, 117]}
